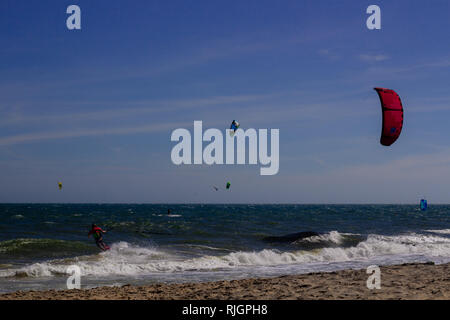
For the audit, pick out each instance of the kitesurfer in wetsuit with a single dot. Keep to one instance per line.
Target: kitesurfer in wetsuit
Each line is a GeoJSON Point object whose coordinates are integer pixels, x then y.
{"type": "Point", "coordinates": [98, 236]}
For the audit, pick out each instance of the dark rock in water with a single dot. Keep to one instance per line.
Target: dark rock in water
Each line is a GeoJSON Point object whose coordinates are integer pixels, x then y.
{"type": "Point", "coordinates": [291, 237]}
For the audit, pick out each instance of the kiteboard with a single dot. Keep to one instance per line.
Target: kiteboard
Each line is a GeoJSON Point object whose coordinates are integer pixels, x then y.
{"type": "Point", "coordinates": [103, 246]}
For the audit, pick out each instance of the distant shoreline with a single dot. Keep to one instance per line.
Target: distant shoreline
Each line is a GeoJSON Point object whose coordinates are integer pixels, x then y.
{"type": "Point", "coordinates": [408, 281]}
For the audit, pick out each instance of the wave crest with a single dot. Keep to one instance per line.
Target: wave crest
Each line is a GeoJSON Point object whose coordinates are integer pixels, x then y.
{"type": "Point", "coordinates": [125, 259]}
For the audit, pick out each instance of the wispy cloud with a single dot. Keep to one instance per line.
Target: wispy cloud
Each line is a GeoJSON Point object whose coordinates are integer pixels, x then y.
{"type": "Point", "coordinates": [328, 54]}
{"type": "Point", "coordinates": [373, 57]}
{"type": "Point", "coordinates": [267, 115]}
{"type": "Point", "coordinates": [394, 181]}
{"type": "Point", "coordinates": [253, 109]}
{"type": "Point", "coordinates": [439, 63]}
{"type": "Point", "coordinates": [132, 109]}
{"type": "Point", "coordinates": [40, 136]}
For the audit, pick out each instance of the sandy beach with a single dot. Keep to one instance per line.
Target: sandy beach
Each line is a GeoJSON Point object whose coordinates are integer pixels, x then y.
{"type": "Point", "coordinates": [408, 281]}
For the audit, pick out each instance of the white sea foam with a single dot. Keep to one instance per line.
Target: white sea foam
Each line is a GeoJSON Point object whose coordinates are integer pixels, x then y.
{"type": "Point", "coordinates": [331, 237]}
{"type": "Point", "coordinates": [125, 259]}
{"type": "Point", "coordinates": [443, 231]}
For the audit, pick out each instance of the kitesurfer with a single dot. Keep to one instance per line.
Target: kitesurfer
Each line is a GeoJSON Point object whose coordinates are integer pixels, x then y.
{"type": "Point", "coordinates": [98, 237]}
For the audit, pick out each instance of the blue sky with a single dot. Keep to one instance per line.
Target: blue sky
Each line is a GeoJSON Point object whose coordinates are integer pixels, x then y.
{"type": "Point", "coordinates": [94, 108]}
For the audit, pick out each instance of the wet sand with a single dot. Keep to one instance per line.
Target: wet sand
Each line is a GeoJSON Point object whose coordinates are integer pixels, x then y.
{"type": "Point", "coordinates": [408, 281]}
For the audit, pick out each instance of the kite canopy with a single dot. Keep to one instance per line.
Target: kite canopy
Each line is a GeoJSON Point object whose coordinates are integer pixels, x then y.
{"type": "Point", "coordinates": [423, 205]}
{"type": "Point", "coordinates": [234, 126]}
{"type": "Point", "coordinates": [392, 108]}
{"type": "Point", "coordinates": [60, 185]}
{"type": "Point", "coordinates": [228, 185]}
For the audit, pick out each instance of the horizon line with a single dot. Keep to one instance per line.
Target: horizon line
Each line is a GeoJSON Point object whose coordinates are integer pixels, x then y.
{"type": "Point", "coordinates": [204, 203]}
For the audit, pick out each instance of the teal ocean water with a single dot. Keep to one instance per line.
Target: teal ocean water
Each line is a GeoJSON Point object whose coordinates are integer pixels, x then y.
{"type": "Point", "coordinates": [38, 242]}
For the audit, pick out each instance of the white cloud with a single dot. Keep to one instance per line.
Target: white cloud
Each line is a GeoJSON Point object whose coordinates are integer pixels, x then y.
{"type": "Point", "coordinates": [39, 136]}
{"type": "Point", "coordinates": [327, 53]}
{"type": "Point", "coordinates": [373, 57]}
{"type": "Point", "coordinates": [133, 108]}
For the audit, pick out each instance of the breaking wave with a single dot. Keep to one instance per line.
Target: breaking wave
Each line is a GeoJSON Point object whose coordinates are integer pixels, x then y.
{"type": "Point", "coordinates": [125, 259]}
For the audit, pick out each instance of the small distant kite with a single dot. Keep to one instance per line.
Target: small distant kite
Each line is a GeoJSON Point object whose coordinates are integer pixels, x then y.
{"type": "Point", "coordinates": [228, 185]}
{"type": "Point", "coordinates": [423, 205]}
{"type": "Point", "coordinates": [234, 126]}
{"type": "Point", "coordinates": [215, 188]}
{"type": "Point", "coordinates": [60, 185]}
{"type": "Point", "coordinates": [392, 109]}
